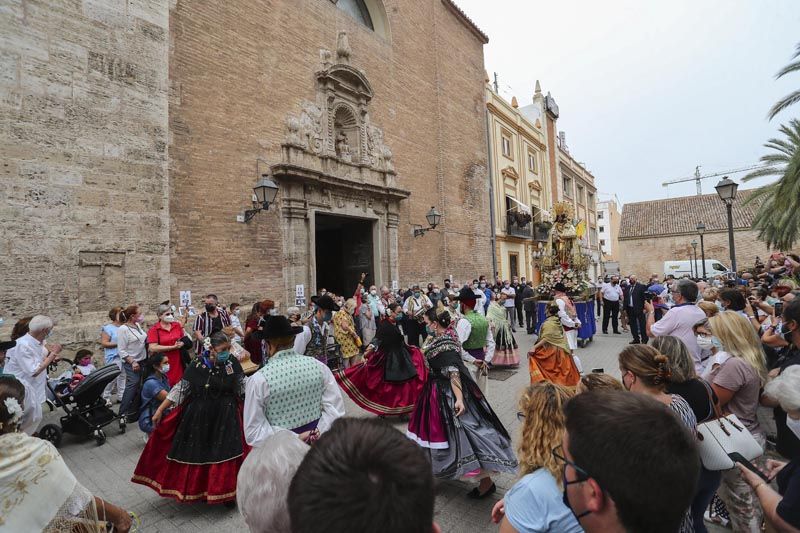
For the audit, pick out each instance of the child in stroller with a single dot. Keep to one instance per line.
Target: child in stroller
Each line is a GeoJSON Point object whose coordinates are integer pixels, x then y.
{"type": "Point", "coordinates": [80, 397]}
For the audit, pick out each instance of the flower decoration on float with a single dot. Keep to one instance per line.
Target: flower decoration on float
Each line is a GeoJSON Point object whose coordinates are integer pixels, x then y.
{"type": "Point", "coordinates": [14, 409]}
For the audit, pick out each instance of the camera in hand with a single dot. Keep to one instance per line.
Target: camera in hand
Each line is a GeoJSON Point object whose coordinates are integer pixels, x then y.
{"type": "Point", "coordinates": [648, 297]}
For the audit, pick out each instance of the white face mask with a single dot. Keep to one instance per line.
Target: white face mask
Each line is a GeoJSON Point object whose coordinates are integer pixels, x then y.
{"type": "Point", "coordinates": [704, 343]}
{"type": "Point", "coordinates": [793, 425]}
{"type": "Point", "coordinates": [165, 368]}
{"type": "Point", "coordinates": [169, 318]}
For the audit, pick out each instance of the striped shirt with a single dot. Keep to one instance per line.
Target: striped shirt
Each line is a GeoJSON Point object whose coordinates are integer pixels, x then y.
{"type": "Point", "coordinates": [204, 324]}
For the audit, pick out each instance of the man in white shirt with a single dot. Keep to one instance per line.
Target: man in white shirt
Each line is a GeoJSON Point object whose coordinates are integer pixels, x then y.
{"type": "Point", "coordinates": [28, 362]}
{"type": "Point", "coordinates": [313, 339]}
{"type": "Point", "coordinates": [680, 320]}
{"type": "Point", "coordinates": [414, 308]}
{"type": "Point", "coordinates": [510, 308]}
{"type": "Point", "coordinates": [612, 294]}
{"type": "Point", "coordinates": [291, 391]}
{"type": "Point", "coordinates": [476, 347]}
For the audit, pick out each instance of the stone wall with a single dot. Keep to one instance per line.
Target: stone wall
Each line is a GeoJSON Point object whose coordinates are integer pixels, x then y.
{"type": "Point", "coordinates": [83, 104]}
{"type": "Point", "coordinates": [645, 256]}
{"type": "Point", "coordinates": [238, 69]}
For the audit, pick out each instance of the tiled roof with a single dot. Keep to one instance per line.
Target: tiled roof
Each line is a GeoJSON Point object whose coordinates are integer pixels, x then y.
{"type": "Point", "coordinates": [466, 20]}
{"type": "Point", "coordinates": [675, 216]}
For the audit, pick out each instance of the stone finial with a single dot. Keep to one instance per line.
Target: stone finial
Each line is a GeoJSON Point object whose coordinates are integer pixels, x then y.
{"type": "Point", "coordinates": [514, 102]}
{"type": "Point", "coordinates": [538, 89]}
{"type": "Point", "coordinates": [486, 77]}
{"type": "Point", "coordinates": [343, 50]}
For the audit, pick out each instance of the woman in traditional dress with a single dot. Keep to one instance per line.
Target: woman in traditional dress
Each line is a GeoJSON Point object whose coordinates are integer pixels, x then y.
{"type": "Point", "coordinates": [550, 357]}
{"type": "Point", "coordinates": [391, 379]}
{"type": "Point", "coordinates": [195, 452]}
{"type": "Point", "coordinates": [505, 351]}
{"type": "Point", "coordinates": [344, 331]}
{"type": "Point", "coordinates": [452, 418]}
{"type": "Point", "coordinates": [37, 490]}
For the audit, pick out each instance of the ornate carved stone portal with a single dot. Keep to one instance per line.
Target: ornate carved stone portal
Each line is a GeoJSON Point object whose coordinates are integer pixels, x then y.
{"type": "Point", "coordinates": [334, 162]}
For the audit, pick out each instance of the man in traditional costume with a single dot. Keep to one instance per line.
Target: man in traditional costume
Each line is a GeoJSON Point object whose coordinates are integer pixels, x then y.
{"type": "Point", "coordinates": [291, 391]}
{"type": "Point", "coordinates": [475, 336]}
{"type": "Point", "coordinates": [414, 308]}
{"type": "Point", "coordinates": [312, 340]}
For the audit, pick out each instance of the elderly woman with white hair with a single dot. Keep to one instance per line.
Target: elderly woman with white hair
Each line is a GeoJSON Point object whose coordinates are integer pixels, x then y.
{"type": "Point", "coordinates": [28, 362]}
{"type": "Point", "coordinates": [781, 507]}
{"type": "Point", "coordinates": [263, 483]}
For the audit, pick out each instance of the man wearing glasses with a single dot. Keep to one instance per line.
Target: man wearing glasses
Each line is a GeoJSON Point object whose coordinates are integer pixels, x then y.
{"type": "Point", "coordinates": [680, 319]}
{"type": "Point", "coordinates": [629, 465]}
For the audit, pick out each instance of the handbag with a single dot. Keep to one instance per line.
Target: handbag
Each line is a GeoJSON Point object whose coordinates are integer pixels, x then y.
{"type": "Point", "coordinates": [721, 435]}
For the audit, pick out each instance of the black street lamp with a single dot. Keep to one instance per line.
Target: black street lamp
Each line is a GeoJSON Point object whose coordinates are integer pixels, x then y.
{"type": "Point", "coordinates": [726, 189]}
{"type": "Point", "coordinates": [696, 272]}
{"type": "Point", "coordinates": [264, 194]}
{"type": "Point", "coordinates": [434, 218]}
{"type": "Point", "coordinates": [701, 229]}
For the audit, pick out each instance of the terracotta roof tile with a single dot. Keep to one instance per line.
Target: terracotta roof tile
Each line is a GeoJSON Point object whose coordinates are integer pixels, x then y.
{"type": "Point", "coordinates": [466, 20]}
{"type": "Point", "coordinates": [675, 216]}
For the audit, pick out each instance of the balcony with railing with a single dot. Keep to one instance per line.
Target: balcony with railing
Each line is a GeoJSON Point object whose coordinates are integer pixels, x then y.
{"type": "Point", "coordinates": [519, 224]}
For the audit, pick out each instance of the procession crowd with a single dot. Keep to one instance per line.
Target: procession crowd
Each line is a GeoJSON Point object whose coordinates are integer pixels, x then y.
{"type": "Point", "coordinates": [249, 410]}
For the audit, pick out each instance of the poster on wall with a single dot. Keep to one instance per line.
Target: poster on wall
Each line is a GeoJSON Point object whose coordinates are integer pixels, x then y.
{"type": "Point", "coordinates": [186, 298]}
{"type": "Point", "coordinates": [300, 295]}
{"type": "Point", "coordinates": [395, 285]}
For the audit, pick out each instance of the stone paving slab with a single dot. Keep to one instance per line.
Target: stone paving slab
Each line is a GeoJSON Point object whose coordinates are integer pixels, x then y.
{"type": "Point", "coordinates": [106, 470]}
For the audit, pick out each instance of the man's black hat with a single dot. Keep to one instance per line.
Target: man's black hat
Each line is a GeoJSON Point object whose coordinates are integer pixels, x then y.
{"type": "Point", "coordinates": [276, 327]}
{"type": "Point", "coordinates": [7, 345]}
{"type": "Point", "coordinates": [466, 294]}
{"type": "Point", "coordinates": [325, 302]}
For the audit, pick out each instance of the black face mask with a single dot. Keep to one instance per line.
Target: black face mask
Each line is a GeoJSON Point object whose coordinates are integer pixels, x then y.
{"type": "Point", "coordinates": [210, 308]}
{"type": "Point", "coordinates": [787, 335]}
{"type": "Point", "coordinates": [565, 499]}
{"type": "Point", "coordinates": [615, 282]}
{"type": "Point", "coordinates": [447, 285]}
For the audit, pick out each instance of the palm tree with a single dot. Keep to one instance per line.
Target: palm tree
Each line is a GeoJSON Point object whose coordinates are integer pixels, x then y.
{"type": "Point", "coordinates": [791, 98]}
{"type": "Point", "coordinates": [777, 219]}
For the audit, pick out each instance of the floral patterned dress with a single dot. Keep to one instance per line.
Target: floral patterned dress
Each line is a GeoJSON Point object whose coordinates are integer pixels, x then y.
{"type": "Point", "coordinates": [342, 325]}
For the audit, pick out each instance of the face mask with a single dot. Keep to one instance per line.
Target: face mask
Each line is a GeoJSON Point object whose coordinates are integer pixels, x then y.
{"type": "Point", "coordinates": [435, 291]}
{"type": "Point", "coordinates": [169, 318]}
{"type": "Point", "coordinates": [165, 368]}
{"type": "Point", "coordinates": [140, 319]}
{"type": "Point", "coordinates": [86, 361]}
{"type": "Point", "coordinates": [323, 293]}
{"type": "Point", "coordinates": [565, 499]}
{"type": "Point", "coordinates": [787, 336]}
{"type": "Point", "coordinates": [273, 312]}
{"type": "Point", "coordinates": [507, 285]}
{"type": "Point", "coordinates": [793, 425]}
{"type": "Point", "coordinates": [771, 300]}
{"type": "Point", "coordinates": [447, 285]}
{"type": "Point", "coordinates": [223, 357]}
{"type": "Point", "coordinates": [474, 286]}
{"type": "Point", "coordinates": [429, 331]}
{"type": "Point", "coordinates": [416, 294]}
{"type": "Point", "coordinates": [716, 343]}
{"type": "Point", "coordinates": [373, 292]}
{"type": "Point", "coordinates": [210, 308]}
{"type": "Point", "coordinates": [615, 282]}
{"type": "Point", "coordinates": [236, 313]}
{"type": "Point", "coordinates": [704, 343]}
{"type": "Point", "coordinates": [482, 285]}
{"type": "Point", "coordinates": [398, 316]}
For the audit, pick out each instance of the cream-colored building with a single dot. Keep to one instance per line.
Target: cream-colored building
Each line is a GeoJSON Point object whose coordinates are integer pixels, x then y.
{"type": "Point", "coordinates": [521, 190]}
{"type": "Point", "coordinates": [608, 219]}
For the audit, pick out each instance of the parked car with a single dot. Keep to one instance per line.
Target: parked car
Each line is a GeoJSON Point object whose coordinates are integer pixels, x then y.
{"type": "Point", "coordinates": [681, 269]}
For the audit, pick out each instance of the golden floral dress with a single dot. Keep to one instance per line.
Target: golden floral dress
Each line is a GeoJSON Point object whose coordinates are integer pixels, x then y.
{"type": "Point", "coordinates": [342, 326]}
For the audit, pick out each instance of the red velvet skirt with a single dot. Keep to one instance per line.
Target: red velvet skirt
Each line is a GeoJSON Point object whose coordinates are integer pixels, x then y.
{"type": "Point", "coordinates": [210, 483]}
{"type": "Point", "coordinates": [365, 385]}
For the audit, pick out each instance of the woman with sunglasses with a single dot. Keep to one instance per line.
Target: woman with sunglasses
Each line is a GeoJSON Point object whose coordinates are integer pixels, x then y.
{"type": "Point", "coordinates": [534, 503]}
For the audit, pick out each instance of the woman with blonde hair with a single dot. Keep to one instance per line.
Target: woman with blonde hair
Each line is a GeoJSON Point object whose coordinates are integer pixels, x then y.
{"type": "Point", "coordinates": [709, 308]}
{"type": "Point", "coordinates": [737, 383]}
{"type": "Point", "coordinates": [535, 502]}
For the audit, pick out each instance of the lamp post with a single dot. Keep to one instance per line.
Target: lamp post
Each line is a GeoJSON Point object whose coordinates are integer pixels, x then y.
{"type": "Point", "coordinates": [263, 196]}
{"type": "Point", "coordinates": [694, 247]}
{"type": "Point", "coordinates": [434, 218]}
{"type": "Point", "coordinates": [726, 189]}
{"type": "Point", "coordinates": [701, 229]}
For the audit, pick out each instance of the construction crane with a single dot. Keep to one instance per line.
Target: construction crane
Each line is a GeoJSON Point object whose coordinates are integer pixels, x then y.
{"type": "Point", "coordinates": [697, 177]}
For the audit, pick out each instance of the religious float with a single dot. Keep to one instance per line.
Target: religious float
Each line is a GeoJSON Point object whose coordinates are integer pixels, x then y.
{"type": "Point", "coordinates": [561, 260]}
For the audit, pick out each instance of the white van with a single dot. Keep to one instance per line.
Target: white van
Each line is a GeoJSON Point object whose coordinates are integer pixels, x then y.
{"type": "Point", "coordinates": [680, 269]}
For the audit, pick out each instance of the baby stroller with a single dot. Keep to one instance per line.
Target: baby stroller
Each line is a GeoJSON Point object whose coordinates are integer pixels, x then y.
{"type": "Point", "coordinates": [86, 411]}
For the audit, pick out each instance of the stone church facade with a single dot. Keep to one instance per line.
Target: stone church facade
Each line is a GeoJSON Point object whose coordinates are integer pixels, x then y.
{"type": "Point", "coordinates": [134, 133]}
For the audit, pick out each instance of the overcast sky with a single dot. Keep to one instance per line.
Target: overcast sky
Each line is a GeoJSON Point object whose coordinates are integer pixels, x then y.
{"type": "Point", "coordinates": [648, 89]}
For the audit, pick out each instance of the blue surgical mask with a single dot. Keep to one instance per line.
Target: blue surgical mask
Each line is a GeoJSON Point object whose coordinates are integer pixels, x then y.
{"type": "Point", "coordinates": [716, 342]}
{"type": "Point", "coordinates": [223, 357]}
{"type": "Point", "coordinates": [417, 294]}
{"type": "Point", "coordinates": [165, 368]}
{"type": "Point", "coordinates": [399, 316]}
{"type": "Point", "coordinates": [429, 331]}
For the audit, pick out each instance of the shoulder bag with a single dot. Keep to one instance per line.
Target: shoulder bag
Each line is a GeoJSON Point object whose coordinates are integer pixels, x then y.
{"type": "Point", "coordinates": [722, 435]}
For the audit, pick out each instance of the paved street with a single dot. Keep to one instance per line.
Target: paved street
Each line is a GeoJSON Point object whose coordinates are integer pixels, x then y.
{"type": "Point", "coordinates": [106, 470]}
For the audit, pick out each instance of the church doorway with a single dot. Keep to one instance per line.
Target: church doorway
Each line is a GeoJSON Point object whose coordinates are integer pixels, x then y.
{"type": "Point", "coordinates": [344, 249]}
